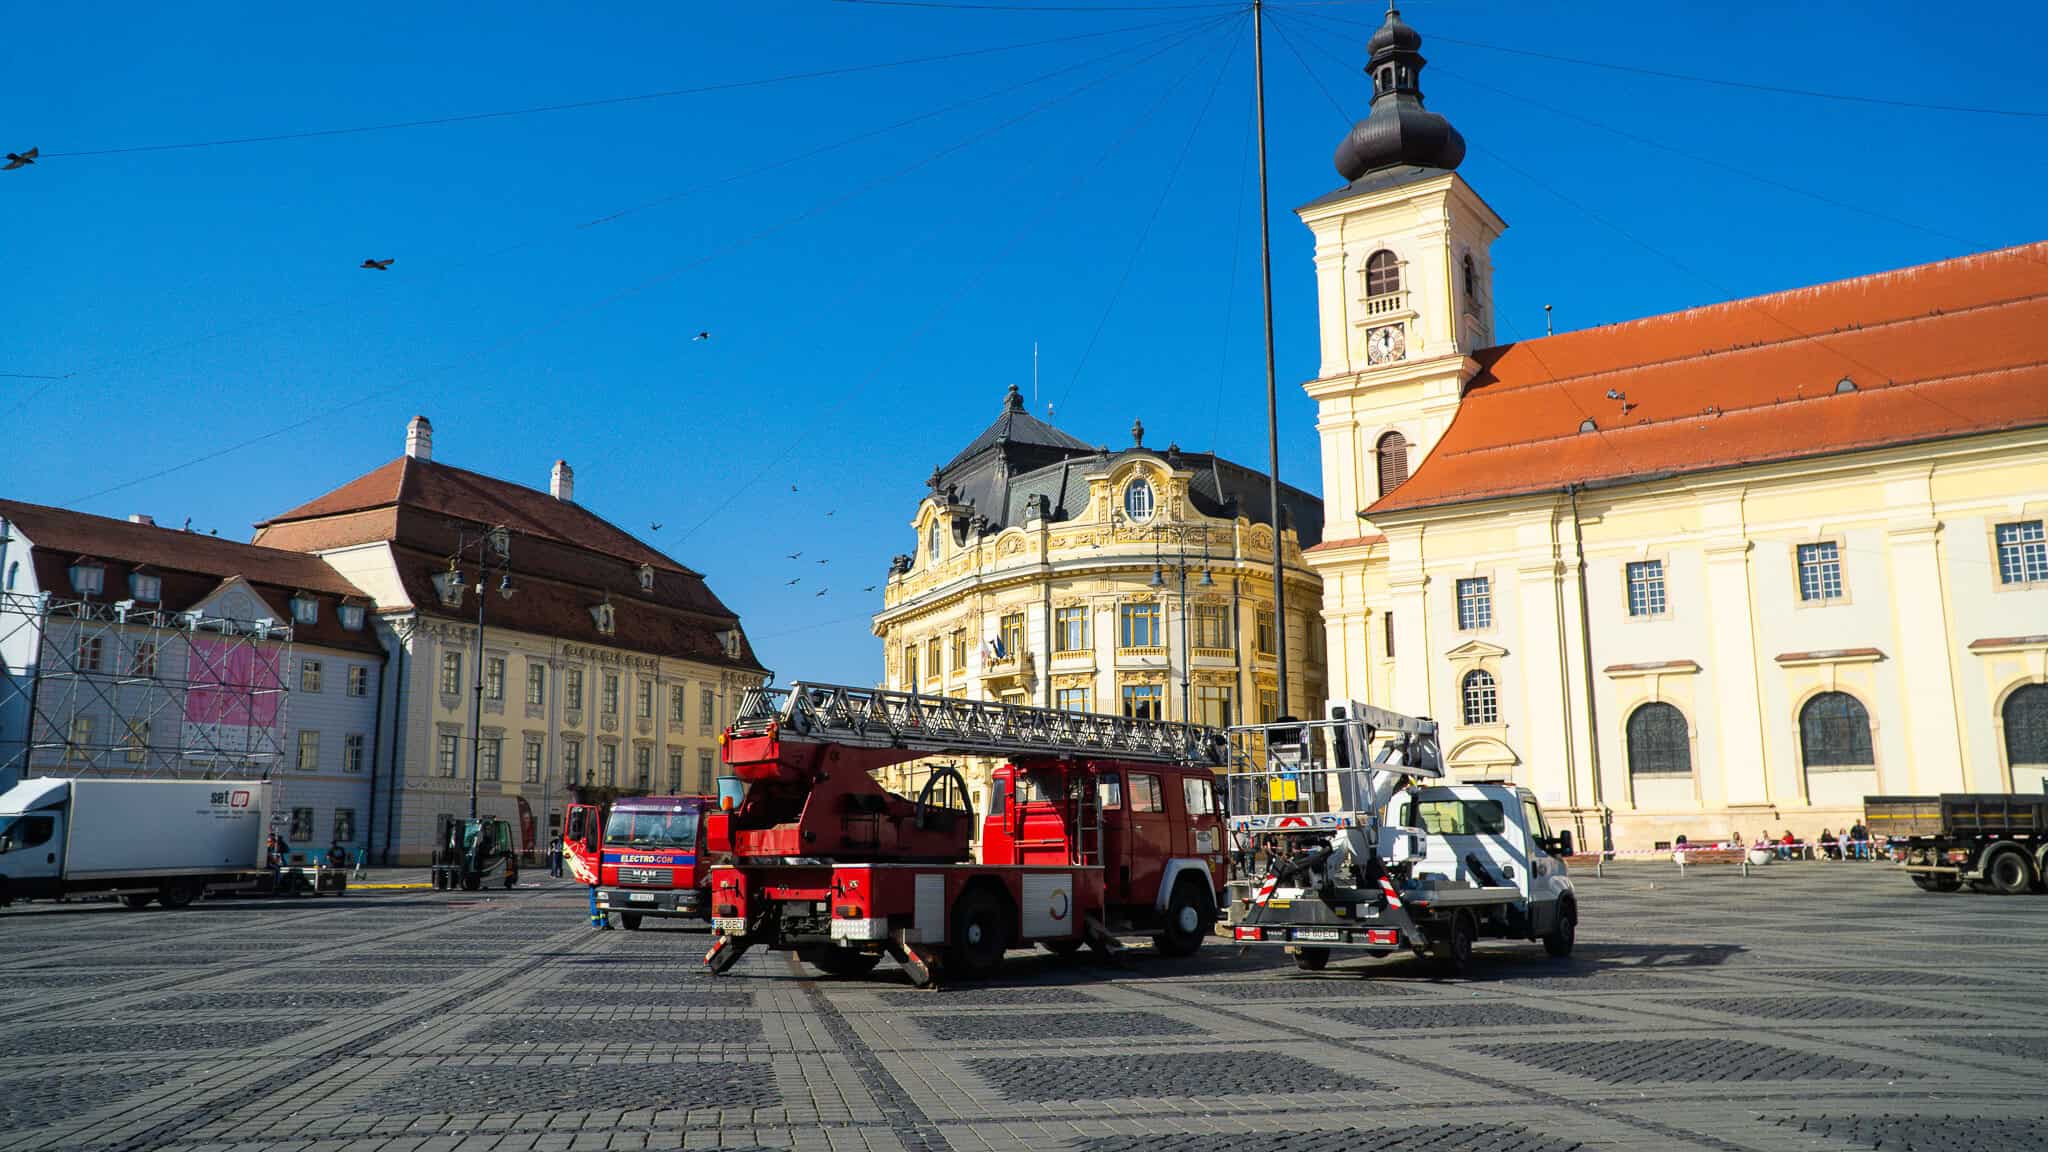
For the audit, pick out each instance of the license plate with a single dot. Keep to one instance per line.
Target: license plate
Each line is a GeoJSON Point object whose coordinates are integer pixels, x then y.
{"type": "Point", "coordinates": [1331, 934]}
{"type": "Point", "coordinates": [642, 897]}
{"type": "Point", "coordinates": [730, 925]}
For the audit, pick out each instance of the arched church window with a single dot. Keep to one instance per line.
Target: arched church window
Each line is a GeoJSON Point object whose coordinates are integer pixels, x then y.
{"type": "Point", "coordinates": [2026, 725]}
{"type": "Point", "coordinates": [1471, 284]}
{"type": "Point", "coordinates": [1481, 697]}
{"type": "Point", "coordinates": [1382, 273]}
{"type": "Point", "coordinates": [1657, 742]}
{"type": "Point", "coordinates": [1834, 732]}
{"type": "Point", "coordinates": [1393, 457]}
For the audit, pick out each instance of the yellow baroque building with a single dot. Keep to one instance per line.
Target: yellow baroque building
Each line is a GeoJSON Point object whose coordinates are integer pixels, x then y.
{"type": "Point", "coordinates": [1047, 571]}
{"type": "Point", "coordinates": [1718, 572]}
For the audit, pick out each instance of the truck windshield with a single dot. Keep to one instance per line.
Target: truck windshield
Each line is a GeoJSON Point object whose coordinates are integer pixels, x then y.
{"type": "Point", "coordinates": [652, 829]}
{"type": "Point", "coordinates": [1458, 817]}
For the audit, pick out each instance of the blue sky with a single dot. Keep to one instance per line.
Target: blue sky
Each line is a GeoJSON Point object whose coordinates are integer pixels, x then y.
{"type": "Point", "coordinates": [874, 252]}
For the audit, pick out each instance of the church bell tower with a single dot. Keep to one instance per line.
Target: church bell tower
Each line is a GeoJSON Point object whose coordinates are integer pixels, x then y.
{"type": "Point", "coordinates": [1403, 286]}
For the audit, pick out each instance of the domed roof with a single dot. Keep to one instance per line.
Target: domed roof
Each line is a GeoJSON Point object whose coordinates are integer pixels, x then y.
{"type": "Point", "coordinates": [1399, 130]}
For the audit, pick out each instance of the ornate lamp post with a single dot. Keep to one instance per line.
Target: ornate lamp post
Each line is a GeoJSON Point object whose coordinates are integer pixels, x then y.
{"type": "Point", "coordinates": [493, 551]}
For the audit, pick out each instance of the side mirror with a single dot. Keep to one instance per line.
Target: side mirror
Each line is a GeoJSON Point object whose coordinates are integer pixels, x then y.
{"type": "Point", "coordinates": [1562, 846]}
{"type": "Point", "coordinates": [6, 845]}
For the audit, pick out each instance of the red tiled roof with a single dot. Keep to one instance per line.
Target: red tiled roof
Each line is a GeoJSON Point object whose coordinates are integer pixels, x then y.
{"type": "Point", "coordinates": [464, 495]}
{"type": "Point", "coordinates": [1942, 350]}
{"type": "Point", "coordinates": [190, 565]}
{"type": "Point", "coordinates": [1349, 542]}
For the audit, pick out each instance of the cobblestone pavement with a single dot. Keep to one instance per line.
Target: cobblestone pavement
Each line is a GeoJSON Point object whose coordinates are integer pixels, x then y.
{"type": "Point", "coordinates": [1820, 1007]}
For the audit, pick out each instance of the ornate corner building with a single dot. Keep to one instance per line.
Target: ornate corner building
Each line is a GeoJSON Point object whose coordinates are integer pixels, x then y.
{"type": "Point", "coordinates": [1708, 573]}
{"type": "Point", "coordinates": [1051, 572]}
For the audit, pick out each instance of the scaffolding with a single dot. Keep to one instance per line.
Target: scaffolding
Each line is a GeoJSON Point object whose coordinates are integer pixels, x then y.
{"type": "Point", "coordinates": [97, 688]}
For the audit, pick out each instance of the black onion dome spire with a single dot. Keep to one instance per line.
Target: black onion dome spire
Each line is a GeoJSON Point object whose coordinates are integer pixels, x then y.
{"type": "Point", "coordinates": [1399, 130]}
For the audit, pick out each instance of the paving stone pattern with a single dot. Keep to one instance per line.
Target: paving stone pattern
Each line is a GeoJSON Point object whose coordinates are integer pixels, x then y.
{"type": "Point", "coordinates": [498, 1022]}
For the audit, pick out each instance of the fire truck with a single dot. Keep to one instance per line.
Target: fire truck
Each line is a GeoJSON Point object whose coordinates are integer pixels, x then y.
{"type": "Point", "coordinates": [1096, 825]}
{"type": "Point", "coordinates": [1336, 848]}
{"type": "Point", "coordinates": [644, 855]}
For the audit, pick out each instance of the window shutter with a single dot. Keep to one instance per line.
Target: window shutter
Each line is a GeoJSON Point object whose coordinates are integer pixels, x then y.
{"type": "Point", "coordinates": [1393, 455]}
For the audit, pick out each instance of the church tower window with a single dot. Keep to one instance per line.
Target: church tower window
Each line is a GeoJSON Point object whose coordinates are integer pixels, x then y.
{"type": "Point", "coordinates": [1393, 458]}
{"type": "Point", "coordinates": [1382, 274]}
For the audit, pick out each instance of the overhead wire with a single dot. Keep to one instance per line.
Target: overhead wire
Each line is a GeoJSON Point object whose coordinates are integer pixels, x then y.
{"type": "Point", "coordinates": [973, 281]}
{"type": "Point", "coordinates": [595, 222]}
{"type": "Point", "coordinates": [958, 6]}
{"type": "Point", "coordinates": [612, 101]}
{"type": "Point", "coordinates": [1716, 81]}
{"type": "Point", "coordinates": [1170, 41]}
{"type": "Point", "coordinates": [1145, 232]}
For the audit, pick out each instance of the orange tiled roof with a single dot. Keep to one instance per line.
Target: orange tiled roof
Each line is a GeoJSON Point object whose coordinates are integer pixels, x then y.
{"type": "Point", "coordinates": [1349, 542]}
{"type": "Point", "coordinates": [1949, 349]}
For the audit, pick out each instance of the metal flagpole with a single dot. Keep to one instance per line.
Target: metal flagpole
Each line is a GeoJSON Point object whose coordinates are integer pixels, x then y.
{"type": "Point", "coordinates": [1272, 392]}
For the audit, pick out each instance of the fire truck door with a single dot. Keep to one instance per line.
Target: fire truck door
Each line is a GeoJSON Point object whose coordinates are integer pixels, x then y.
{"type": "Point", "coordinates": [1151, 834]}
{"type": "Point", "coordinates": [1116, 840]}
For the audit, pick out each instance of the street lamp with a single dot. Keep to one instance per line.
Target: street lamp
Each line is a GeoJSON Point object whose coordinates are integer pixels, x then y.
{"type": "Point", "coordinates": [493, 549]}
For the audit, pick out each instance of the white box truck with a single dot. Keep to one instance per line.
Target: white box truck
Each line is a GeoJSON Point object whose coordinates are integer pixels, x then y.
{"type": "Point", "coordinates": [139, 840]}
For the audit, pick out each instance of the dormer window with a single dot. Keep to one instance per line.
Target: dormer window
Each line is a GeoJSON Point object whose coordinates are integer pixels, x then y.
{"type": "Point", "coordinates": [143, 586]}
{"type": "Point", "coordinates": [88, 577]}
{"type": "Point", "coordinates": [1138, 501]}
{"type": "Point", "coordinates": [448, 586]}
{"type": "Point", "coordinates": [305, 610]}
{"type": "Point", "coordinates": [647, 577]}
{"type": "Point", "coordinates": [729, 641]}
{"type": "Point", "coordinates": [603, 616]}
{"type": "Point", "coordinates": [351, 617]}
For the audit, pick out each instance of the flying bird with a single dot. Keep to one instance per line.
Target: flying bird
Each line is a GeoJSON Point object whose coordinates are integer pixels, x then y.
{"type": "Point", "coordinates": [795, 582]}
{"type": "Point", "coordinates": [822, 591]}
{"type": "Point", "coordinates": [794, 555]}
{"type": "Point", "coordinates": [654, 525]}
{"type": "Point", "coordinates": [824, 561]}
{"type": "Point", "coordinates": [834, 512]}
{"type": "Point", "coordinates": [869, 588]}
{"type": "Point", "coordinates": [700, 336]}
{"type": "Point", "coordinates": [21, 159]}
{"type": "Point", "coordinates": [379, 265]}
{"type": "Point", "coordinates": [792, 487]}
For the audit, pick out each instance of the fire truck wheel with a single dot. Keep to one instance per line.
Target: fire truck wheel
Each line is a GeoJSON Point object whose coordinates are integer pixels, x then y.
{"type": "Point", "coordinates": [1559, 940]}
{"type": "Point", "coordinates": [1451, 947]}
{"type": "Point", "coordinates": [1064, 949]}
{"type": "Point", "coordinates": [2010, 873]}
{"type": "Point", "coordinates": [631, 920]}
{"type": "Point", "coordinates": [981, 932]}
{"type": "Point", "coordinates": [833, 960]}
{"type": "Point", "coordinates": [1311, 959]}
{"type": "Point", "coordinates": [1188, 920]}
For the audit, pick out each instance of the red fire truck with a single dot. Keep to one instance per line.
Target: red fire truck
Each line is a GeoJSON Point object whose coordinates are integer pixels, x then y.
{"type": "Point", "coordinates": [1096, 825]}
{"type": "Point", "coordinates": [645, 855]}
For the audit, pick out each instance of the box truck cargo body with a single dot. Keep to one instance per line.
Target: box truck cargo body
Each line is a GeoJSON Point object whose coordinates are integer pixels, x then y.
{"type": "Point", "coordinates": [168, 840]}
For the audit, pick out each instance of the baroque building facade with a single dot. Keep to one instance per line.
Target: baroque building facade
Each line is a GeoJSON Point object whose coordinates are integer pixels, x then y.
{"type": "Point", "coordinates": [1054, 573]}
{"type": "Point", "coordinates": [1710, 573]}
{"type": "Point", "coordinates": [607, 668]}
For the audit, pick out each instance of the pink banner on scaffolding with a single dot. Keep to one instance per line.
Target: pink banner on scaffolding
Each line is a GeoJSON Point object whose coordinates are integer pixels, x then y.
{"type": "Point", "coordinates": [233, 704]}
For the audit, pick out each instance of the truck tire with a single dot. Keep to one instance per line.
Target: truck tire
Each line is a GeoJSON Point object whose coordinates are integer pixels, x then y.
{"type": "Point", "coordinates": [137, 902]}
{"type": "Point", "coordinates": [1064, 949]}
{"type": "Point", "coordinates": [981, 932]}
{"type": "Point", "coordinates": [1559, 940]}
{"type": "Point", "coordinates": [178, 894]}
{"type": "Point", "coordinates": [1935, 882]}
{"type": "Point", "coordinates": [1311, 959]}
{"type": "Point", "coordinates": [631, 920]}
{"type": "Point", "coordinates": [511, 880]}
{"type": "Point", "coordinates": [834, 960]}
{"type": "Point", "coordinates": [472, 883]}
{"type": "Point", "coordinates": [1452, 949]}
{"type": "Point", "coordinates": [2009, 872]}
{"type": "Point", "coordinates": [1190, 916]}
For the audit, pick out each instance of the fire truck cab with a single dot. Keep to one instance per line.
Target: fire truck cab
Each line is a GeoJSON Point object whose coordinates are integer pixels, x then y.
{"type": "Point", "coordinates": [644, 855]}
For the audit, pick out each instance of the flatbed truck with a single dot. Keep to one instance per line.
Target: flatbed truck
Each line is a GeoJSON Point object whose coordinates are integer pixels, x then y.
{"type": "Point", "coordinates": [1992, 841]}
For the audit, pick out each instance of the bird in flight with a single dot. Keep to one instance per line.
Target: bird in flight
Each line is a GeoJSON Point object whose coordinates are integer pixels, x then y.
{"type": "Point", "coordinates": [795, 582]}
{"type": "Point", "coordinates": [822, 591]}
{"type": "Point", "coordinates": [700, 336]}
{"type": "Point", "coordinates": [869, 588]}
{"type": "Point", "coordinates": [794, 555]}
{"type": "Point", "coordinates": [21, 159]}
{"type": "Point", "coordinates": [833, 512]}
{"type": "Point", "coordinates": [824, 561]}
{"type": "Point", "coordinates": [654, 525]}
{"type": "Point", "coordinates": [792, 487]}
{"type": "Point", "coordinates": [379, 265]}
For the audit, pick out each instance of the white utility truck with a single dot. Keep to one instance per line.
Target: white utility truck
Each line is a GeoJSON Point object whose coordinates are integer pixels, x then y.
{"type": "Point", "coordinates": [139, 840]}
{"type": "Point", "coordinates": [1336, 849]}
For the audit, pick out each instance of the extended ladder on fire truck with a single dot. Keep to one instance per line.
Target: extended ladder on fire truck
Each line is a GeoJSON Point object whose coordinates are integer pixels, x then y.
{"type": "Point", "coordinates": [947, 726]}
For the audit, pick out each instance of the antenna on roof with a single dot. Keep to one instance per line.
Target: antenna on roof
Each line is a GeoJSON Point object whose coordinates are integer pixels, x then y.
{"type": "Point", "coordinates": [1546, 319]}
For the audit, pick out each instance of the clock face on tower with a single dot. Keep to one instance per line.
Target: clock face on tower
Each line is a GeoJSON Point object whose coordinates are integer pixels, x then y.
{"type": "Point", "coordinates": [1386, 345]}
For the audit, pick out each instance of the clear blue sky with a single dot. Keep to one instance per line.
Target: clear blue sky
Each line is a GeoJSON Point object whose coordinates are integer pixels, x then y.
{"type": "Point", "coordinates": [869, 303]}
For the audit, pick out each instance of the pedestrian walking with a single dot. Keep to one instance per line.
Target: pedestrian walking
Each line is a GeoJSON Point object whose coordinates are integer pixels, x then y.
{"type": "Point", "coordinates": [555, 858]}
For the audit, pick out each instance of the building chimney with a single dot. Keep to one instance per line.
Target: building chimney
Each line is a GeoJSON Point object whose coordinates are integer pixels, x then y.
{"type": "Point", "coordinates": [142, 518]}
{"type": "Point", "coordinates": [419, 439]}
{"type": "Point", "coordinates": [562, 482]}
